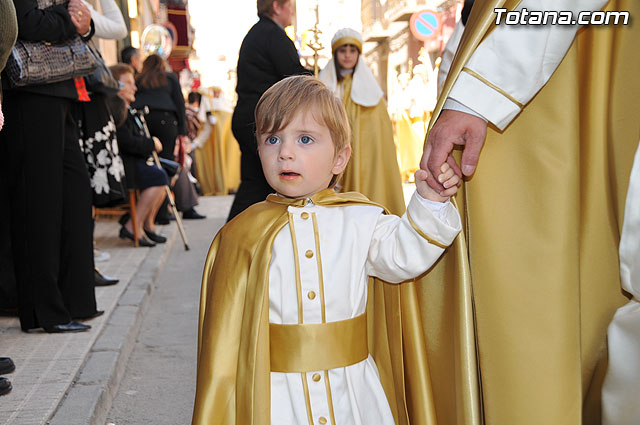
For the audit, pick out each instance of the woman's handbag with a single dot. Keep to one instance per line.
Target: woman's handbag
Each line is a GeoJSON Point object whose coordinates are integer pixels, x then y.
{"type": "Point", "coordinates": [39, 62]}
{"type": "Point", "coordinates": [101, 80]}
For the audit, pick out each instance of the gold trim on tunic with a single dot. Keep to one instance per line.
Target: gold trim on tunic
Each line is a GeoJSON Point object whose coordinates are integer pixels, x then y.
{"type": "Point", "coordinates": [424, 235]}
{"type": "Point", "coordinates": [493, 86]}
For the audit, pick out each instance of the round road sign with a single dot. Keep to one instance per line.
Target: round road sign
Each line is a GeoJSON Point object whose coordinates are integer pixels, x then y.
{"type": "Point", "coordinates": [424, 24]}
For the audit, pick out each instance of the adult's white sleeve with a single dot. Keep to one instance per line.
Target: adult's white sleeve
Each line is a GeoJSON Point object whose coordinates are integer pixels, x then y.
{"type": "Point", "coordinates": [515, 61]}
{"type": "Point", "coordinates": [622, 382]}
{"type": "Point", "coordinates": [110, 24]}
{"type": "Point", "coordinates": [203, 135]}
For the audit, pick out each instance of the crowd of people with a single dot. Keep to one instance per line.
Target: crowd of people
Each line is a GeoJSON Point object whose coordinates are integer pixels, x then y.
{"type": "Point", "coordinates": [90, 147]}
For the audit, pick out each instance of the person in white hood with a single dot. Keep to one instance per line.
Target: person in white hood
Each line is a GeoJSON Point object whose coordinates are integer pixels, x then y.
{"type": "Point", "coordinates": [373, 169]}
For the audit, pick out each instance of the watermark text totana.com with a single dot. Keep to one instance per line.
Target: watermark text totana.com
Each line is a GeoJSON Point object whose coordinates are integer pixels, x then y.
{"type": "Point", "coordinates": [560, 17]}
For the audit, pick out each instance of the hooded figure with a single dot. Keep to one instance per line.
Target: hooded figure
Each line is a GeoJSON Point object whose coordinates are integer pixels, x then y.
{"type": "Point", "coordinates": [373, 168]}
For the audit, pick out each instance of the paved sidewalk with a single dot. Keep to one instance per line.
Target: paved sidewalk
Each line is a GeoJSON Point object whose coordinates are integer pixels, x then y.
{"type": "Point", "coordinates": [70, 379]}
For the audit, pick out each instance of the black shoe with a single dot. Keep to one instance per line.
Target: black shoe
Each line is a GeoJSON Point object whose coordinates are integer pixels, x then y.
{"type": "Point", "coordinates": [142, 241]}
{"type": "Point", "coordinates": [6, 365]}
{"type": "Point", "coordinates": [162, 221]}
{"type": "Point", "coordinates": [156, 237]}
{"type": "Point", "coordinates": [67, 327]}
{"type": "Point", "coordinates": [124, 218]}
{"type": "Point", "coordinates": [164, 218]}
{"type": "Point", "coordinates": [102, 280]}
{"type": "Point", "coordinates": [192, 214]}
{"type": "Point", "coordinates": [98, 313]}
{"type": "Point", "coordinates": [5, 386]}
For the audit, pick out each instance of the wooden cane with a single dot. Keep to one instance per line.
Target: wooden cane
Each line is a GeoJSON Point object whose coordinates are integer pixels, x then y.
{"type": "Point", "coordinates": [173, 206]}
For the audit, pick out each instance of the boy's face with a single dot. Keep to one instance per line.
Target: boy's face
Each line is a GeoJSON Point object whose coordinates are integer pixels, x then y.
{"type": "Point", "coordinates": [299, 160]}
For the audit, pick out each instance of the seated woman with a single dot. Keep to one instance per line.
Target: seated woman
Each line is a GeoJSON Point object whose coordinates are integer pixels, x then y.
{"type": "Point", "coordinates": [136, 148]}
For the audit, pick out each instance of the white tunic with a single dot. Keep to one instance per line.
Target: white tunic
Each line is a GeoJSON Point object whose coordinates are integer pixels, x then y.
{"type": "Point", "coordinates": [337, 249]}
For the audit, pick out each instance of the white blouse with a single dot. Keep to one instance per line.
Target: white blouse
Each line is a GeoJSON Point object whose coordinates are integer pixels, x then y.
{"type": "Point", "coordinates": [110, 24]}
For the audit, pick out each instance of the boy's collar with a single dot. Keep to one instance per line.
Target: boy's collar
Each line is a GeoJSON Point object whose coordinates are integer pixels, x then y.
{"type": "Point", "coordinates": [301, 202]}
{"type": "Point", "coordinates": [326, 197]}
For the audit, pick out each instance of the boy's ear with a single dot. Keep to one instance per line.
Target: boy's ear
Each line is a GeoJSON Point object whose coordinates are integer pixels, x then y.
{"type": "Point", "coordinates": [341, 161]}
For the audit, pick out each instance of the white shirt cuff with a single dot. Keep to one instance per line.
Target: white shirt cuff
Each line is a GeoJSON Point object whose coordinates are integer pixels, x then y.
{"type": "Point", "coordinates": [454, 105]}
{"type": "Point", "coordinates": [484, 100]}
{"type": "Point", "coordinates": [439, 220]}
{"type": "Point", "coordinates": [441, 210]}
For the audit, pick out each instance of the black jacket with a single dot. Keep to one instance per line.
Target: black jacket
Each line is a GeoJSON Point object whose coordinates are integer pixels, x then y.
{"type": "Point", "coordinates": [165, 98]}
{"type": "Point", "coordinates": [266, 56]}
{"type": "Point", "coordinates": [51, 25]}
{"type": "Point", "coordinates": [134, 146]}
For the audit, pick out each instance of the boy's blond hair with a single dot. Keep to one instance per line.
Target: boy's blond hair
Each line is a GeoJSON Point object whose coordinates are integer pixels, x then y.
{"type": "Point", "coordinates": [279, 105]}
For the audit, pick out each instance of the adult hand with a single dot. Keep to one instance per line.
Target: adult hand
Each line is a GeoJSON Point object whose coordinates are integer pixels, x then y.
{"type": "Point", "coordinates": [453, 128]}
{"type": "Point", "coordinates": [157, 144]}
{"type": "Point", "coordinates": [80, 16]}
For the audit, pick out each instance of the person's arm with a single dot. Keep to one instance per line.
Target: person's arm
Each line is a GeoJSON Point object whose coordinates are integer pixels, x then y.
{"type": "Point", "coordinates": [53, 24]}
{"type": "Point", "coordinates": [284, 56]}
{"type": "Point", "coordinates": [506, 70]}
{"type": "Point", "coordinates": [515, 61]}
{"type": "Point", "coordinates": [178, 101]}
{"type": "Point", "coordinates": [131, 143]}
{"type": "Point", "coordinates": [403, 248]}
{"type": "Point", "coordinates": [110, 24]}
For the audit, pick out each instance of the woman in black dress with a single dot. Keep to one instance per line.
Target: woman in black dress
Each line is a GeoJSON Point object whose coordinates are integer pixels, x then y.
{"type": "Point", "coordinates": [160, 91]}
{"type": "Point", "coordinates": [48, 184]}
{"type": "Point", "coordinates": [141, 173]}
{"type": "Point", "coordinates": [267, 55]}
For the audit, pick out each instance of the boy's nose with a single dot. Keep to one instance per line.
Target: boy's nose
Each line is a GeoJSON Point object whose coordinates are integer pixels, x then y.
{"type": "Point", "coordinates": [286, 151]}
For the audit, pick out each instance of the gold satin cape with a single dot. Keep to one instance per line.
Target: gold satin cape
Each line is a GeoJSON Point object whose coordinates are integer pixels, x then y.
{"type": "Point", "coordinates": [516, 325]}
{"type": "Point", "coordinates": [373, 167]}
{"type": "Point", "coordinates": [218, 161]}
{"type": "Point", "coordinates": [233, 377]}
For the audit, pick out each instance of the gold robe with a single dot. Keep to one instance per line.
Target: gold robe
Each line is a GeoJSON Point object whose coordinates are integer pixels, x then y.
{"type": "Point", "coordinates": [233, 377]}
{"type": "Point", "coordinates": [218, 160]}
{"type": "Point", "coordinates": [519, 316]}
{"type": "Point", "coordinates": [373, 167]}
{"type": "Point", "coordinates": [409, 145]}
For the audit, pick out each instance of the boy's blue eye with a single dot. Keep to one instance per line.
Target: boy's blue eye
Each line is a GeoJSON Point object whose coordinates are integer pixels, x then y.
{"type": "Point", "coordinates": [272, 140]}
{"type": "Point", "coordinates": [305, 140]}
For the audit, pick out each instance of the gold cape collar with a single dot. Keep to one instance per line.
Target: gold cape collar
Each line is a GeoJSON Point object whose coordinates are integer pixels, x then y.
{"type": "Point", "coordinates": [326, 197]}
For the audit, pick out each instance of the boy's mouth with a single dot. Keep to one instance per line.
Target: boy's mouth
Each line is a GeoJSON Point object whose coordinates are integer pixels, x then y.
{"type": "Point", "coordinates": [288, 175]}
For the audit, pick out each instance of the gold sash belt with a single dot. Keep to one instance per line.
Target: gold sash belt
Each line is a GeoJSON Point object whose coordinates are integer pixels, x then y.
{"type": "Point", "coordinates": [321, 346]}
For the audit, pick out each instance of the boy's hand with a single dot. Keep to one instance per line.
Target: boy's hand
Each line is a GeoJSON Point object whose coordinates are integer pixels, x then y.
{"type": "Point", "coordinates": [448, 178]}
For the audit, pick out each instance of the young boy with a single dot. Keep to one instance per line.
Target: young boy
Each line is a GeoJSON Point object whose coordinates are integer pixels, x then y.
{"type": "Point", "coordinates": [284, 307]}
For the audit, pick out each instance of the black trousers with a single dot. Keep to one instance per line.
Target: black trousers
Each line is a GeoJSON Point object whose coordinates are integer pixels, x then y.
{"type": "Point", "coordinates": [253, 185]}
{"type": "Point", "coordinates": [50, 201]}
{"type": "Point", "coordinates": [164, 125]}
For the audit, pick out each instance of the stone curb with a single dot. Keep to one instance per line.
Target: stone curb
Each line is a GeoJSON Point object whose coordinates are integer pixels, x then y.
{"type": "Point", "coordinates": [89, 398]}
